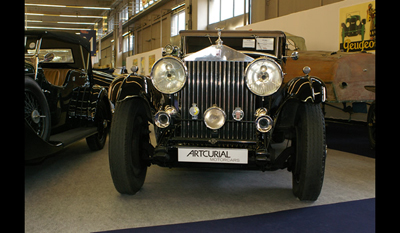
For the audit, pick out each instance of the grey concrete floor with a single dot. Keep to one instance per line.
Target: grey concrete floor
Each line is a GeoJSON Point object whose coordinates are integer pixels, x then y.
{"type": "Point", "coordinates": [73, 192]}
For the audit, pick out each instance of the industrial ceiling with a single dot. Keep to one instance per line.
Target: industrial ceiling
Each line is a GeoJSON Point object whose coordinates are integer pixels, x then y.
{"type": "Point", "coordinates": [65, 15]}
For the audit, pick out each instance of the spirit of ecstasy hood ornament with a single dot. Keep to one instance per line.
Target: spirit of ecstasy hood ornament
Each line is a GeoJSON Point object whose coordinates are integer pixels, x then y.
{"type": "Point", "coordinates": [219, 42]}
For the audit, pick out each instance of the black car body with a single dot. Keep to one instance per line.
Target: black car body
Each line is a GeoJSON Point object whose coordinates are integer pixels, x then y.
{"type": "Point", "coordinates": [65, 100]}
{"type": "Point", "coordinates": [221, 102]}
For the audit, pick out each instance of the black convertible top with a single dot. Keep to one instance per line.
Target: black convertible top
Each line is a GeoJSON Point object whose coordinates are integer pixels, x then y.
{"type": "Point", "coordinates": [64, 36]}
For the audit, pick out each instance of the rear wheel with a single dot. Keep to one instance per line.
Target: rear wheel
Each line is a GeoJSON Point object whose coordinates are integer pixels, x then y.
{"type": "Point", "coordinates": [129, 138]}
{"type": "Point", "coordinates": [310, 144]}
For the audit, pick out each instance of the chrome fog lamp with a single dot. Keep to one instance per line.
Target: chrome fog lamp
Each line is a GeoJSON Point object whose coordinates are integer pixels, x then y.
{"type": "Point", "coordinates": [264, 123]}
{"type": "Point", "coordinates": [168, 75]}
{"type": "Point", "coordinates": [264, 76]}
{"type": "Point", "coordinates": [162, 119]}
{"type": "Point", "coordinates": [214, 117]}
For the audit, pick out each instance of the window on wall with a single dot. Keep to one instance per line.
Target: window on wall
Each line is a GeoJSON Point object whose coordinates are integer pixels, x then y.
{"type": "Point", "coordinates": [123, 14]}
{"type": "Point", "coordinates": [110, 24]}
{"type": "Point", "coordinates": [131, 43]}
{"type": "Point", "coordinates": [140, 5]}
{"type": "Point", "coordinates": [219, 10]}
{"type": "Point", "coordinates": [125, 44]}
{"type": "Point", "coordinates": [177, 22]}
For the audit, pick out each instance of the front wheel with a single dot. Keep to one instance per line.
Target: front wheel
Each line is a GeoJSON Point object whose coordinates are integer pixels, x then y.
{"type": "Point", "coordinates": [129, 137]}
{"type": "Point", "coordinates": [310, 144]}
{"type": "Point", "coordinates": [37, 111]}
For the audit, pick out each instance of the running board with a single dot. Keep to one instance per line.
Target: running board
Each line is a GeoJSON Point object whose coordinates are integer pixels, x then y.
{"type": "Point", "coordinates": [73, 135]}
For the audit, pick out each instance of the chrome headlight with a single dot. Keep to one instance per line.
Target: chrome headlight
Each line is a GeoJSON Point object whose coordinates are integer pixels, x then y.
{"type": "Point", "coordinates": [168, 75]}
{"type": "Point", "coordinates": [264, 76]}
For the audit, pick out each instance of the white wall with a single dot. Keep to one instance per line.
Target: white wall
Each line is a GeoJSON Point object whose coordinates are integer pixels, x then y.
{"type": "Point", "coordinates": [319, 26]}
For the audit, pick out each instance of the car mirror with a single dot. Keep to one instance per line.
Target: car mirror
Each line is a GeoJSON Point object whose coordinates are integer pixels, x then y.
{"type": "Point", "coordinates": [295, 55]}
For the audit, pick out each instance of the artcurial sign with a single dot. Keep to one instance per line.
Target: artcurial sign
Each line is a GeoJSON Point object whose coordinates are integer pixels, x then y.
{"type": "Point", "coordinates": [212, 155]}
{"type": "Point", "coordinates": [357, 27]}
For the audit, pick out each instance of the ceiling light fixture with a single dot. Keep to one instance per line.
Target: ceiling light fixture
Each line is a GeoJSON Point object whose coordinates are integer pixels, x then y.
{"type": "Point", "coordinates": [82, 16]}
{"type": "Point", "coordinates": [34, 21]}
{"type": "Point", "coordinates": [81, 7]}
{"type": "Point", "coordinates": [55, 28]}
{"type": "Point", "coordinates": [35, 14]}
{"type": "Point", "coordinates": [70, 16]}
{"type": "Point", "coordinates": [77, 23]}
{"type": "Point", "coordinates": [45, 5]}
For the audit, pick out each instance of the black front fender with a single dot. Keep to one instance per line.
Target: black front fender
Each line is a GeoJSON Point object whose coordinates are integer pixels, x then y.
{"type": "Point", "coordinates": [131, 87]}
{"type": "Point", "coordinates": [306, 89]}
{"type": "Point", "coordinates": [137, 86]}
{"type": "Point", "coordinates": [102, 96]}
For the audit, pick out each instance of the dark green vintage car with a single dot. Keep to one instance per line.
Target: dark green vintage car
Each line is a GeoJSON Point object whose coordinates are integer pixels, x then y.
{"type": "Point", "coordinates": [353, 26]}
{"type": "Point", "coordinates": [65, 100]}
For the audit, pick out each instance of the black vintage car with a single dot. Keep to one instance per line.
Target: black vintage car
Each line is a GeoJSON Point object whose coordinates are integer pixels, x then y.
{"type": "Point", "coordinates": [65, 100]}
{"type": "Point", "coordinates": [221, 102]}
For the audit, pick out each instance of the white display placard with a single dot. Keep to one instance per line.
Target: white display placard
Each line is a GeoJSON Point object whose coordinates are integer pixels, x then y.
{"type": "Point", "coordinates": [212, 155]}
{"type": "Point", "coordinates": [265, 44]}
{"type": "Point", "coordinates": [249, 43]}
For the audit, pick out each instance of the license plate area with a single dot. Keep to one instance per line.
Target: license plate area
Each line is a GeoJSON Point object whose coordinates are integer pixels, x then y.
{"type": "Point", "coordinates": [212, 155]}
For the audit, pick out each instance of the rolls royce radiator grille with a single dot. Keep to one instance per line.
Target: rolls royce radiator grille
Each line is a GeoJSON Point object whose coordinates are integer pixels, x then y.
{"type": "Point", "coordinates": [220, 83]}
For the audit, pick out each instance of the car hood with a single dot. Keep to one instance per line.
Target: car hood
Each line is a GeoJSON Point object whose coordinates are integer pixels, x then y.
{"type": "Point", "coordinates": [218, 53]}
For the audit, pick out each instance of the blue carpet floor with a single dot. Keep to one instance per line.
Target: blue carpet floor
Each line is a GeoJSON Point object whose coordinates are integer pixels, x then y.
{"type": "Point", "coordinates": [353, 216]}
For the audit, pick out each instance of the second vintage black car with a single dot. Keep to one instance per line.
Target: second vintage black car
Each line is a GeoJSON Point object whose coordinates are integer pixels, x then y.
{"type": "Point", "coordinates": [221, 101]}
{"type": "Point", "coordinates": [65, 100]}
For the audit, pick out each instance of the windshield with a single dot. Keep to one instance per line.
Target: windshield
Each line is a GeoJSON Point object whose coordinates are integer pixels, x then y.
{"type": "Point", "coordinates": [60, 55]}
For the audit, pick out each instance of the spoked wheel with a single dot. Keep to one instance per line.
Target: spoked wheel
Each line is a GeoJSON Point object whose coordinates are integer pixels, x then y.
{"type": "Point", "coordinates": [97, 141]}
{"type": "Point", "coordinates": [37, 112]}
{"type": "Point", "coordinates": [310, 143]}
{"type": "Point", "coordinates": [129, 138]}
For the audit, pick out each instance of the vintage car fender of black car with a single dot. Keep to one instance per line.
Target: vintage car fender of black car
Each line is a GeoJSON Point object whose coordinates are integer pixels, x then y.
{"type": "Point", "coordinates": [221, 102]}
{"type": "Point", "coordinates": [64, 101]}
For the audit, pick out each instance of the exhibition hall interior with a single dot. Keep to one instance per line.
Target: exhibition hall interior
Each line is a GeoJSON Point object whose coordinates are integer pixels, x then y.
{"type": "Point", "coordinates": [199, 116]}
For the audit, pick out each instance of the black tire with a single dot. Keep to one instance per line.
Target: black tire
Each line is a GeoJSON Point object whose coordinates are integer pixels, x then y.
{"type": "Point", "coordinates": [371, 125]}
{"type": "Point", "coordinates": [128, 137]}
{"type": "Point", "coordinates": [97, 141]}
{"type": "Point", "coordinates": [310, 144]}
{"type": "Point", "coordinates": [37, 111]}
